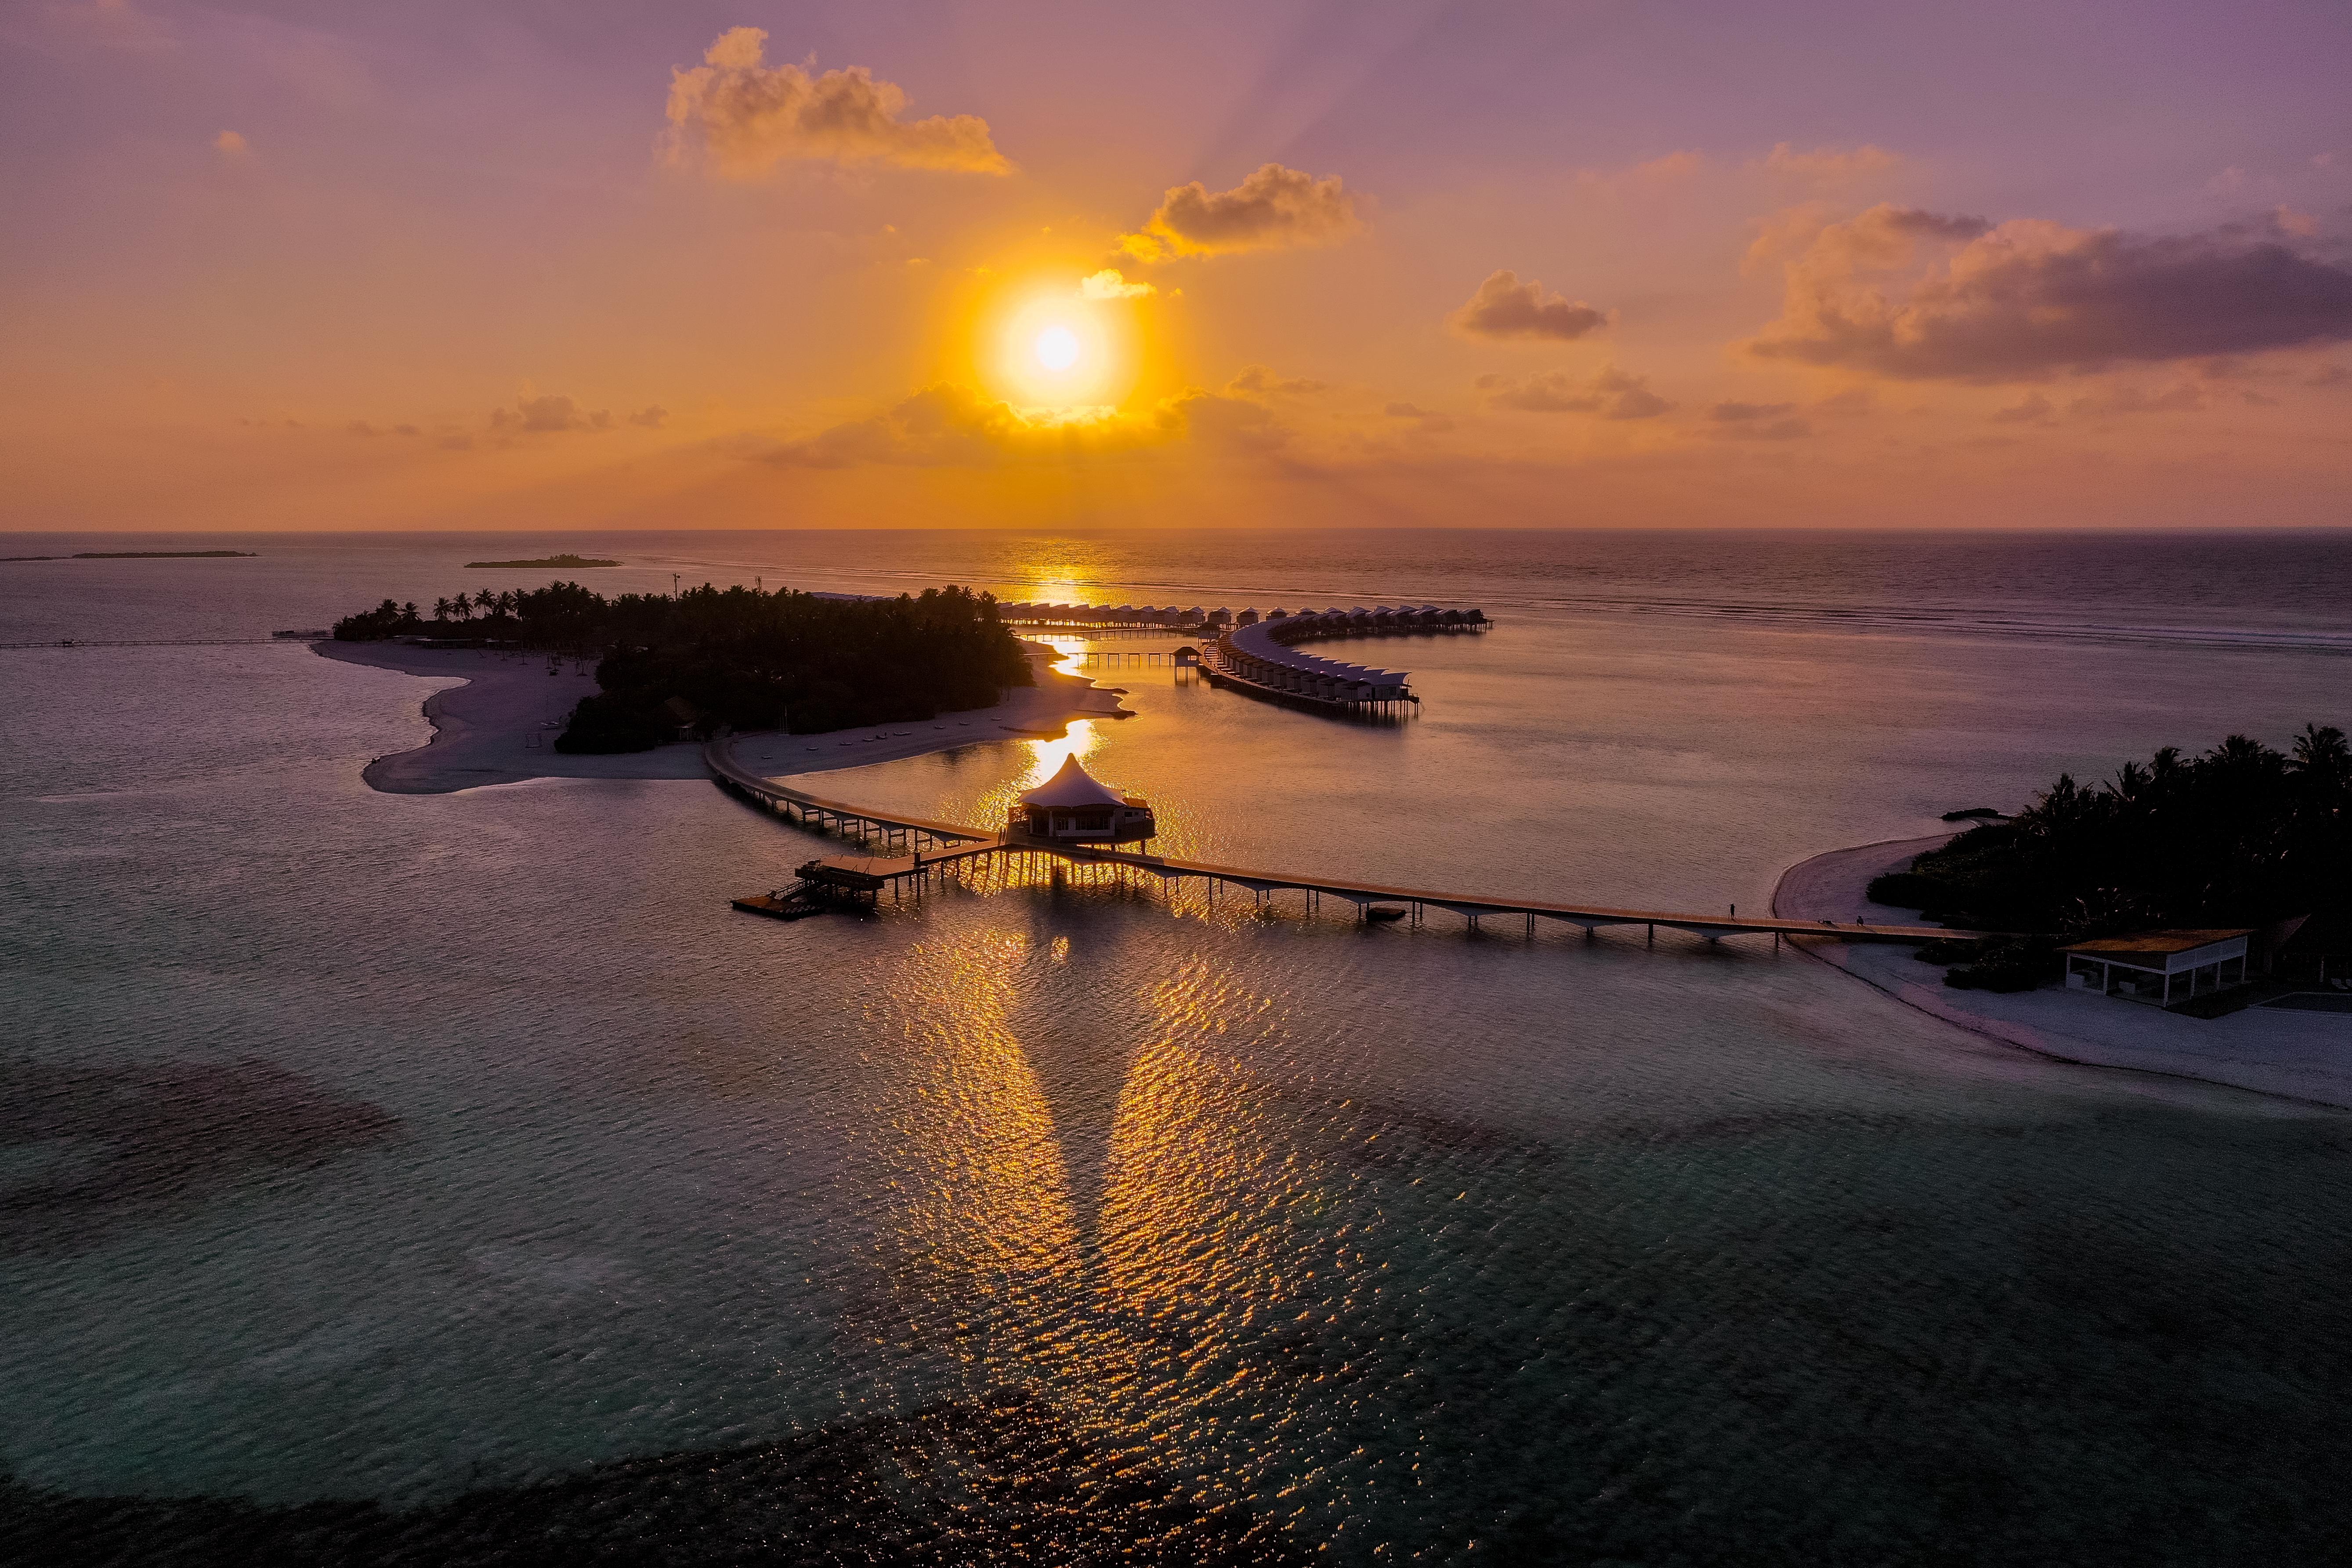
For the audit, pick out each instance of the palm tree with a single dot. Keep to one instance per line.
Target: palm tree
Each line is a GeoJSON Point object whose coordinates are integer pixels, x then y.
{"type": "Point", "coordinates": [464, 606]}
{"type": "Point", "coordinates": [2322, 754]}
{"type": "Point", "coordinates": [440, 609]}
{"type": "Point", "coordinates": [2242, 751]}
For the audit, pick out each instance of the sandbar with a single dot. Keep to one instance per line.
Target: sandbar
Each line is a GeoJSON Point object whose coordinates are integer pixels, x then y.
{"type": "Point", "coordinates": [500, 725]}
{"type": "Point", "coordinates": [2270, 1050]}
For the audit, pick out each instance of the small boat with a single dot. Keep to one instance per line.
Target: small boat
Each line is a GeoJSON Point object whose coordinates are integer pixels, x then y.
{"type": "Point", "coordinates": [1383, 913]}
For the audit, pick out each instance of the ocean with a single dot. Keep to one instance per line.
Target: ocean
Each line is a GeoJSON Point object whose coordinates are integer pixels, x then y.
{"type": "Point", "coordinates": [425, 1152]}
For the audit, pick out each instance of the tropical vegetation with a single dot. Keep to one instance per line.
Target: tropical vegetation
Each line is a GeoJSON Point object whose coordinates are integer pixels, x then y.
{"type": "Point", "coordinates": [2242, 835]}
{"type": "Point", "coordinates": [736, 657]}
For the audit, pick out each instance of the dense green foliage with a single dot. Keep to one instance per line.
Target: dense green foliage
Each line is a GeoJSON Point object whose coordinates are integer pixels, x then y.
{"type": "Point", "coordinates": [737, 655]}
{"type": "Point", "coordinates": [2240, 837]}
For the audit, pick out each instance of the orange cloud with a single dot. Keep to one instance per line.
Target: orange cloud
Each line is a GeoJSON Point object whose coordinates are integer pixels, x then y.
{"type": "Point", "coordinates": [745, 117]}
{"type": "Point", "coordinates": [1275, 208]}
{"type": "Point", "coordinates": [1217, 419]}
{"type": "Point", "coordinates": [551, 411]}
{"type": "Point", "coordinates": [947, 426]}
{"type": "Point", "coordinates": [229, 144]}
{"type": "Point", "coordinates": [1506, 308]}
{"type": "Point", "coordinates": [1256, 380]}
{"type": "Point", "coordinates": [1611, 392]}
{"type": "Point", "coordinates": [1784, 233]}
{"type": "Point", "coordinates": [1758, 422]}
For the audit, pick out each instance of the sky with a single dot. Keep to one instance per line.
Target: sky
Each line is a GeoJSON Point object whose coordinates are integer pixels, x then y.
{"type": "Point", "coordinates": [1319, 264]}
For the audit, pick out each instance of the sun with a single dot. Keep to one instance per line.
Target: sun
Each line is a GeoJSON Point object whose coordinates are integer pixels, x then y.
{"type": "Point", "coordinates": [1058, 348]}
{"type": "Point", "coordinates": [1042, 348]}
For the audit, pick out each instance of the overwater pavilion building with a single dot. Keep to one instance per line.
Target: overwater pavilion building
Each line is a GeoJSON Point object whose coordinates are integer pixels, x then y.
{"type": "Point", "coordinates": [1074, 808]}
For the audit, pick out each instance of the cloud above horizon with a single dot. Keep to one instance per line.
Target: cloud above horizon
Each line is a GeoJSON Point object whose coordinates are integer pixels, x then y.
{"type": "Point", "coordinates": [1275, 208]}
{"type": "Point", "coordinates": [549, 411]}
{"type": "Point", "coordinates": [1111, 284]}
{"type": "Point", "coordinates": [1257, 380]}
{"type": "Point", "coordinates": [1736, 421]}
{"type": "Point", "coordinates": [1913, 295]}
{"type": "Point", "coordinates": [1504, 308]}
{"type": "Point", "coordinates": [743, 118]}
{"type": "Point", "coordinates": [949, 426]}
{"type": "Point", "coordinates": [1611, 392]}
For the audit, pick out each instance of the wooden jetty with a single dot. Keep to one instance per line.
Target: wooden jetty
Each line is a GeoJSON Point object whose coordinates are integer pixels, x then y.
{"type": "Point", "coordinates": [937, 849]}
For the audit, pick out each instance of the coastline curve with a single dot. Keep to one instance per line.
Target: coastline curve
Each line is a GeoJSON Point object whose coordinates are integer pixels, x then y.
{"type": "Point", "coordinates": [2305, 1059]}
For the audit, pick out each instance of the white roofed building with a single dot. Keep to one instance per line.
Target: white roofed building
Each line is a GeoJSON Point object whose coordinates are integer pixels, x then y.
{"type": "Point", "coordinates": [1074, 806]}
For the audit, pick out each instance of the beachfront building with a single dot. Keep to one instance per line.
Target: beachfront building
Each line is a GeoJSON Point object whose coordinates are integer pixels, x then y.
{"type": "Point", "coordinates": [1074, 807]}
{"type": "Point", "coordinates": [2164, 967]}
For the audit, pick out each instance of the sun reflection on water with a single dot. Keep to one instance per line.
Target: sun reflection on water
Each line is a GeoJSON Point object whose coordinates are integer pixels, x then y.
{"type": "Point", "coordinates": [982, 1211]}
{"type": "Point", "coordinates": [1098, 1200]}
{"type": "Point", "coordinates": [1043, 760]}
{"type": "Point", "coordinates": [1071, 648]}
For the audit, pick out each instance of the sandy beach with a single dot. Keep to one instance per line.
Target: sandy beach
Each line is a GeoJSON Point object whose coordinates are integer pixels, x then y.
{"type": "Point", "coordinates": [2296, 1055]}
{"type": "Point", "coordinates": [497, 723]}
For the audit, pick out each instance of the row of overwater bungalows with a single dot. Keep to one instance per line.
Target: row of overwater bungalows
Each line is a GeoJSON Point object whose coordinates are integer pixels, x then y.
{"type": "Point", "coordinates": [1334, 622]}
{"type": "Point", "coordinates": [1263, 654]}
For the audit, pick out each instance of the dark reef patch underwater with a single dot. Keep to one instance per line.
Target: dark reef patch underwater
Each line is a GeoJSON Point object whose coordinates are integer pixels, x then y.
{"type": "Point", "coordinates": [1001, 1481]}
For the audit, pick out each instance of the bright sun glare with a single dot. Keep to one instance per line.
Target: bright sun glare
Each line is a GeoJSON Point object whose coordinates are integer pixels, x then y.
{"type": "Point", "coordinates": [1046, 351]}
{"type": "Point", "coordinates": [1058, 348]}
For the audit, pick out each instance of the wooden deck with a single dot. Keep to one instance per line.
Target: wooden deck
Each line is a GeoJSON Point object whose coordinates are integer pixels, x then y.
{"type": "Point", "coordinates": [944, 845]}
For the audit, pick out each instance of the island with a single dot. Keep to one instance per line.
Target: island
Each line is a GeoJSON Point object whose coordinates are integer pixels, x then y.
{"type": "Point", "coordinates": [672, 668]}
{"type": "Point", "coordinates": [144, 555]}
{"type": "Point", "coordinates": [516, 667]}
{"type": "Point", "coordinates": [550, 562]}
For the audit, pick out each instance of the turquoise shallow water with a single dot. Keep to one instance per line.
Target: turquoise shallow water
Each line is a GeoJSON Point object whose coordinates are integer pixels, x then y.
{"type": "Point", "coordinates": [384, 1147]}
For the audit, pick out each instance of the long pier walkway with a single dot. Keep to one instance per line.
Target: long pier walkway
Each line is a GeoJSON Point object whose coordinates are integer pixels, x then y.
{"type": "Point", "coordinates": [933, 848]}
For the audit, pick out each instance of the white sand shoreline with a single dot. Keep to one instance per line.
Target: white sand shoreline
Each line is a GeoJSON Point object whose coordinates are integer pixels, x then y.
{"type": "Point", "coordinates": [496, 723]}
{"type": "Point", "coordinates": [2302, 1057]}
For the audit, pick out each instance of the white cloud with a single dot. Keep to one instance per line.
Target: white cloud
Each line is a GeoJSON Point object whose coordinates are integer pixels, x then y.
{"type": "Point", "coordinates": [1108, 284]}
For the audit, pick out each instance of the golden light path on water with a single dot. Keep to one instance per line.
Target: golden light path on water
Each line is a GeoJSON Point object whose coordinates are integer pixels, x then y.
{"type": "Point", "coordinates": [1046, 756]}
{"type": "Point", "coordinates": [1100, 1193]}
{"type": "Point", "coordinates": [1096, 1203]}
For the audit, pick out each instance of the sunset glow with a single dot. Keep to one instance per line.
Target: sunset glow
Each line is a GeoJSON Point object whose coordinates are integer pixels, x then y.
{"type": "Point", "coordinates": [1360, 783]}
{"type": "Point", "coordinates": [867, 277]}
{"type": "Point", "coordinates": [1051, 355]}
